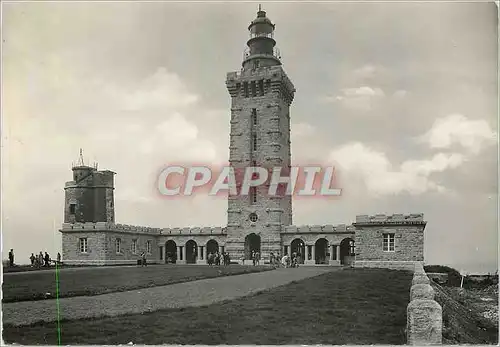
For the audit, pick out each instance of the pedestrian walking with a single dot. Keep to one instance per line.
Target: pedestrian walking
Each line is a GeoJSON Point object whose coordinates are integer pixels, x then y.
{"type": "Point", "coordinates": [32, 258]}
{"type": "Point", "coordinates": [58, 258]}
{"type": "Point", "coordinates": [143, 256]}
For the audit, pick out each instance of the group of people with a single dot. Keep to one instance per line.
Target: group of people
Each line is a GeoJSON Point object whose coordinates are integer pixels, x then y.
{"type": "Point", "coordinates": [43, 260]}
{"type": "Point", "coordinates": [215, 258]}
{"type": "Point", "coordinates": [285, 261]}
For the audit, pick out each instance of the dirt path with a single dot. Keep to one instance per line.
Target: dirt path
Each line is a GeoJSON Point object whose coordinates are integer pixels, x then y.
{"type": "Point", "coordinates": [196, 293]}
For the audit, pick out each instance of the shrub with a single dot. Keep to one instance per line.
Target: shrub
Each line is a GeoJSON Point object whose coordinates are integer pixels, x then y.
{"type": "Point", "coordinates": [454, 277]}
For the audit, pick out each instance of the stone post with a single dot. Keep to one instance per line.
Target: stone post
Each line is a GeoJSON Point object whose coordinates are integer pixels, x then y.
{"type": "Point", "coordinates": [424, 316]}
{"type": "Point", "coordinates": [313, 258]}
{"type": "Point", "coordinates": [184, 254]}
{"type": "Point", "coordinates": [332, 249]}
{"type": "Point", "coordinates": [338, 253]}
{"type": "Point", "coordinates": [306, 254]}
{"type": "Point", "coordinates": [424, 323]}
{"type": "Point", "coordinates": [179, 250]}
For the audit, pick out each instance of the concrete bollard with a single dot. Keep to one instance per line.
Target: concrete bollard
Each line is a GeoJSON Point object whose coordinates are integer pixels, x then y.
{"type": "Point", "coordinates": [422, 292]}
{"type": "Point", "coordinates": [420, 279]}
{"type": "Point", "coordinates": [424, 323]}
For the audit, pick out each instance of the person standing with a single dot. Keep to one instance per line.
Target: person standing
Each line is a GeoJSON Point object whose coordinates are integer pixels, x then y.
{"type": "Point", "coordinates": [47, 259]}
{"type": "Point", "coordinates": [32, 258]}
{"type": "Point", "coordinates": [11, 257]}
{"type": "Point", "coordinates": [143, 255]}
{"type": "Point", "coordinates": [40, 259]}
{"type": "Point", "coordinates": [58, 258]}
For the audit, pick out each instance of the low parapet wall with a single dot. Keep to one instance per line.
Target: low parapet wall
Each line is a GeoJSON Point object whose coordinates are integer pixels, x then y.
{"type": "Point", "coordinates": [424, 320]}
{"type": "Point", "coordinates": [89, 226]}
{"type": "Point", "coordinates": [319, 229]}
{"type": "Point", "coordinates": [194, 231]}
{"type": "Point", "coordinates": [413, 218]}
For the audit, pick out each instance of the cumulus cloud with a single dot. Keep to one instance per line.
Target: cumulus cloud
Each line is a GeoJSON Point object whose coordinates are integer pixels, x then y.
{"type": "Point", "coordinates": [382, 178]}
{"type": "Point", "coordinates": [365, 72]}
{"type": "Point", "coordinates": [456, 129]}
{"type": "Point", "coordinates": [160, 90]}
{"type": "Point", "coordinates": [302, 129]}
{"type": "Point", "coordinates": [358, 99]}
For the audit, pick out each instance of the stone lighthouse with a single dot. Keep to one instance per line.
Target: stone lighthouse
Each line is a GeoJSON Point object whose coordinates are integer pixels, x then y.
{"type": "Point", "coordinates": [261, 95]}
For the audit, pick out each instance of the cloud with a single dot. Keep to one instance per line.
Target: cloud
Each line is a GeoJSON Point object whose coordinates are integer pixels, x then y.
{"type": "Point", "coordinates": [302, 129]}
{"type": "Point", "coordinates": [365, 72]}
{"type": "Point", "coordinates": [453, 129]}
{"type": "Point", "coordinates": [400, 93]}
{"type": "Point", "coordinates": [358, 99]}
{"type": "Point", "coordinates": [160, 90]}
{"type": "Point", "coordinates": [379, 176]}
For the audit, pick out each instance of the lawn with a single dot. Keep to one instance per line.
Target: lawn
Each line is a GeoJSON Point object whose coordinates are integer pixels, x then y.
{"type": "Point", "coordinates": [355, 306]}
{"type": "Point", "coordinates": [92, 281]}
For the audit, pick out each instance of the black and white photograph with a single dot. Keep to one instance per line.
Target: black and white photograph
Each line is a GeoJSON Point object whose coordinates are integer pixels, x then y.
{"type": "Point", "coordinates": [249, 173]}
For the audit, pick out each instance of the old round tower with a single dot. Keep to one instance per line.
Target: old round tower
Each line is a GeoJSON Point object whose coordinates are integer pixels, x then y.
{"type": "Point", "coordinates": [261, 95]}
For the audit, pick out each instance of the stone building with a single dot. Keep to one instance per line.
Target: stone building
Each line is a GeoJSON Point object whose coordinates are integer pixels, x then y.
{"type": "Point", "coordinates": [261, 96]}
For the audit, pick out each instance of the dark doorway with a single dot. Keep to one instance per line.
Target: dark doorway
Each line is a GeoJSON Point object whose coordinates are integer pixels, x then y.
{"type": "Point", "coordinates": [299, 247]}
{"type": "Point", "coordinates": [170, 252]}
{"type": "Point", "coordinates": [321, 251]}
{"type": "Point", "coordinates": [347, 251]}
{"type": "Point", "coordinates": [252, 244]}
{"type": "Point", "coordinates": [191, 252]}
{"type": "Point", "coordinates": [212, 247]}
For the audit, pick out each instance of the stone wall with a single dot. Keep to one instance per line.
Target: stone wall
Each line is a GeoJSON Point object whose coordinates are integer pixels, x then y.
{"type": "Point", "coordinates": [95, 254]}
{"type": "Point", "coordinates": [101, 243]}
{"type": "Point", "coordinates": [424, 323]}
{"type": "Point", "coordinates": [408, 231]}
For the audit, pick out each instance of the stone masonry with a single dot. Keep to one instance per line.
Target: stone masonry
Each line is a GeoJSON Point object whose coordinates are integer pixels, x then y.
{"type": "Point", "coordinates": [261, 96]}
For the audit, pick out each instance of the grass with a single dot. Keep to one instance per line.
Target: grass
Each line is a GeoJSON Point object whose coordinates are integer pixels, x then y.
{"type": "Point", "coordinates": [355, 306]}
{"type": "Point", "coordinates": [92, 281]}
{"type": "Point", "coordinates": [462, 320]}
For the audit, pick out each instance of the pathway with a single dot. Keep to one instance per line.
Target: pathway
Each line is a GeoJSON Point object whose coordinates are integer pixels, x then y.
{"type": "Point", "coordinates": [195, 293]}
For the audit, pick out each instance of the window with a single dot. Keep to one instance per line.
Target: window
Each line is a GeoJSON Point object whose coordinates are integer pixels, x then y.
{"type": "Point", "coordinates": [245, 89]}
{"type": "Point", "coordinates": [254, 88]}
{"type": "Point", "coordinates": [254, 141]}
{"type": "Point", "coordinates": [72, 208]}
{"type": "Point", "coordinates": [254, 116]}
{"type": "Point", "coordinates": [118, 246]}
{"type": "Point", "coordinates": [134, 247]}
{"type": "Point", "coordinates": [148, 246]}
{"type": "Point", "coordinates": [253, 194]}
{"type": "Point", "coordinates": [261, 87]}
{"type": "Point", "coordinates": [83, 245]}
{"type": "Point", "coordinates": [255, 64]}
{"type": "Point", "coordinates": [388, 242]}
{"type": "Point", "coordinates": [253, 217]}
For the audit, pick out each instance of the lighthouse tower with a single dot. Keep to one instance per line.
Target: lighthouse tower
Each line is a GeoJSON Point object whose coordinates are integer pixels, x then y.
{"type": "Point", "coordinates": [261, 95]}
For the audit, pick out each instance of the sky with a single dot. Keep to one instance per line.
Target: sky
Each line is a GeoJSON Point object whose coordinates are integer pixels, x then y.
{"type": "Point", "coordinates": [400, 97]}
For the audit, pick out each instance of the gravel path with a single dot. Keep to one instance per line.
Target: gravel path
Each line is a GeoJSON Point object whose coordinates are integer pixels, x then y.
{"type": "Point", "coordinates": [195, 293]}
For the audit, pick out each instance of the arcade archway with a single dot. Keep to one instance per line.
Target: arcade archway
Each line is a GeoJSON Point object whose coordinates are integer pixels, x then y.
{"type": "Point", "coordinates": [299, 247]}
{"type": "Point", "coordinates": [321, 251]}
{"type": "Point", "coordinates": [170, 252]}
{"type": "Point", "coordinates": [347, 251]}
{"type": "Point", "coordinates": [252, 244]}
{"type": "Point", "coordinates": [191, 252]}
{"type": "Point", "coordinates": [212, 247]}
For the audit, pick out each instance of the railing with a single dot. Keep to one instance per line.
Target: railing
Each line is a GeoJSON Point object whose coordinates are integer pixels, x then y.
{"type": "Point", "coordinates": [269, 35]}
{"type": "Point", "coordinates": [276, 53]}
